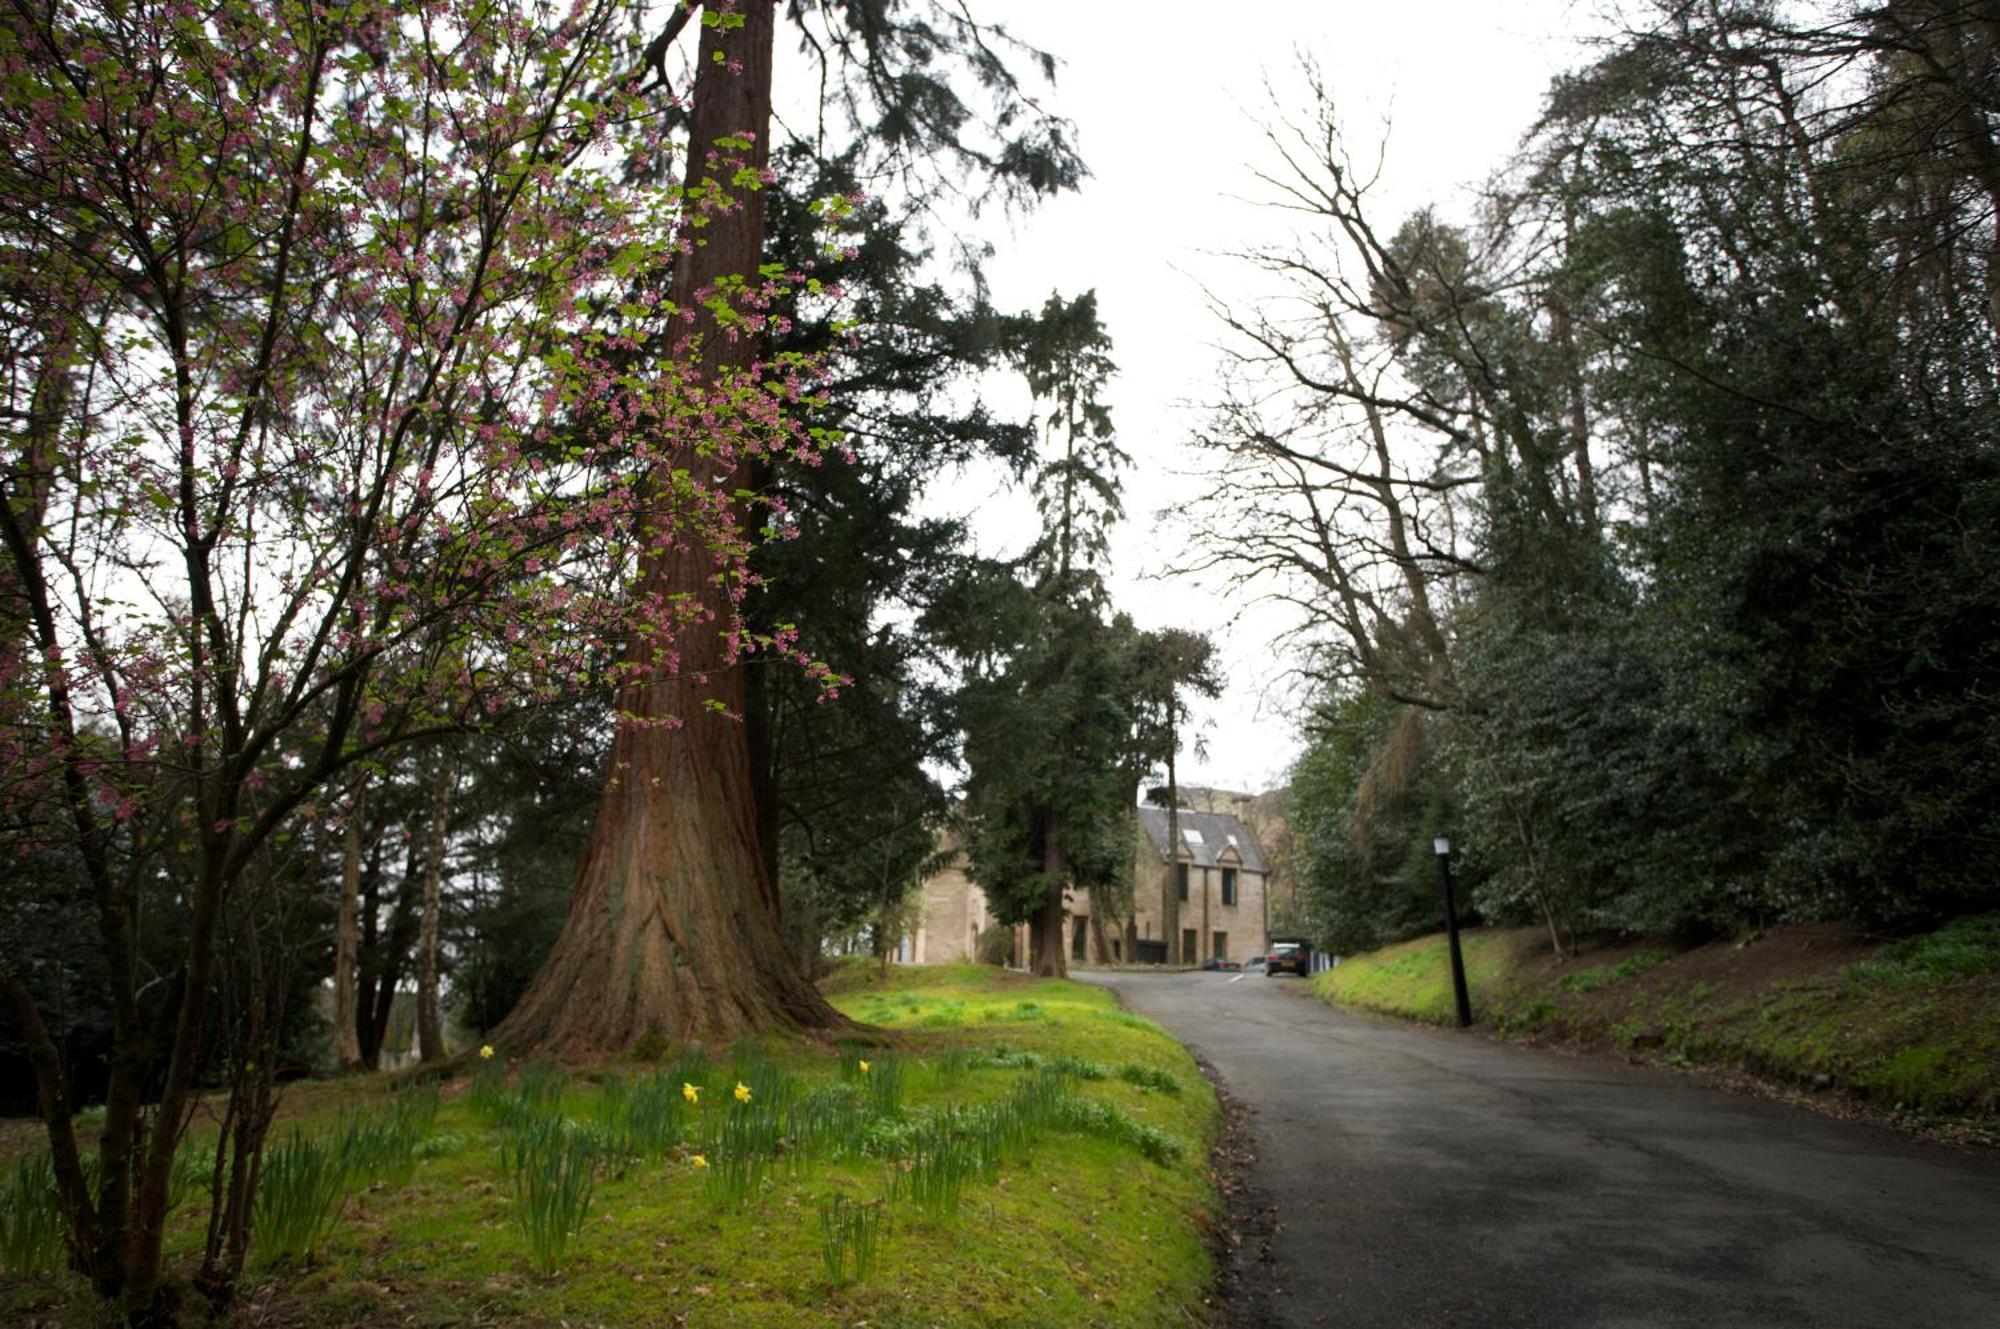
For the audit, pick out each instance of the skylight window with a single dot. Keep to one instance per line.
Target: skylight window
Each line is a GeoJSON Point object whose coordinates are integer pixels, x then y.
{"type": "Point", "coordinates": [1191, 835]}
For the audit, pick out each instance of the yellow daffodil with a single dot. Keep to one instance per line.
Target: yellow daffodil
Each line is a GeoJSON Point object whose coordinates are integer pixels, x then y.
{"type": "Point", "coordinates": [742, 1092]}
{"type": "Point", "coordinates": [690, 1093]}
{"type": "Point", "coordinates": [864, 1068]}
{"type": "Point", "coordinates": [486, 1053]}
{"type": "Point", "coordinates": [699, 1161]}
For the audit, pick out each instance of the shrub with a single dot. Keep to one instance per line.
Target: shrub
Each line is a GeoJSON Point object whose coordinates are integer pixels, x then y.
{"type": "Point", "coordinates": [1964, 948]}
{"type": "Point", "coordinates": [1634, 965]}
{"type": "Point", "coordinates": [1584, 980]}
{"type": "Point", "coordinates": [995, 945]}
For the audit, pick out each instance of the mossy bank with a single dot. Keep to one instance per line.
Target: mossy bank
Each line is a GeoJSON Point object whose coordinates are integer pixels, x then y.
{"type": "Point", "coordinates": [1910, 1025]}
{"type": "Point", "coordinates": [995, 1150]}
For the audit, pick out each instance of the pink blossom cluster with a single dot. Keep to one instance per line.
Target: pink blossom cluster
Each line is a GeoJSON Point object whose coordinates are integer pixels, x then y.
{"type": "Point", "coordinates": [369, 415]}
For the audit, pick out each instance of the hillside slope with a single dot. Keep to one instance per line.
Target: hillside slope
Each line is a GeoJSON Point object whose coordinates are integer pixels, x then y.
{"type": "Point", "coordinates": [1910, 1026]}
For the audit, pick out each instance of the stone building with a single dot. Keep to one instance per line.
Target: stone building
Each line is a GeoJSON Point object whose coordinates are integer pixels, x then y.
{"type": "Point", "coordinates": [1220, 878]}
{"type": "Point", "coordinates": [1268, 817]}
{"type": "Point", "coordinates": [1219, 874]}
{"type": "Point", "coordinates": [954, 915]}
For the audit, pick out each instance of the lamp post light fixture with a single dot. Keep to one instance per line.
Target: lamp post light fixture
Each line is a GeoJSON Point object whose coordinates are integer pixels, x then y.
{"type": "Point", "coordinates": [1442, 844]}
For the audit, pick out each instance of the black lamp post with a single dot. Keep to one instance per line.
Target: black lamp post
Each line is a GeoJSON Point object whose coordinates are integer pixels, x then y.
{"type": "Point", "coordinates": [1442, 845]}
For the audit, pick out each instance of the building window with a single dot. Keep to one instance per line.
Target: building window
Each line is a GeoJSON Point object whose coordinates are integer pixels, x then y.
{"type": "Point", "coordinates": [1221, 951]}
{"type": "Point", "coordinates": [1181, 874]}
{"type": "Point", "coordinates": [1229, 885]}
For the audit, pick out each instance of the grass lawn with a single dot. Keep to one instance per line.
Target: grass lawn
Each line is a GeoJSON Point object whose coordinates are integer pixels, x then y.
{"type": "Point", "coordinates": [1072, 1136]}
{"type": "Point", "coordinates": [1911, 1026]}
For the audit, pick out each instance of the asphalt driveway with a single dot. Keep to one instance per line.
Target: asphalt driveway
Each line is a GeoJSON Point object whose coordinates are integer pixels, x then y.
{"type": "Point", "coordinates": [1418, 1177]}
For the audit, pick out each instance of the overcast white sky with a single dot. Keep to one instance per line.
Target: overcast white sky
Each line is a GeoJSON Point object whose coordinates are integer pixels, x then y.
{"type": "Point", "coordinates": [1167, 99]}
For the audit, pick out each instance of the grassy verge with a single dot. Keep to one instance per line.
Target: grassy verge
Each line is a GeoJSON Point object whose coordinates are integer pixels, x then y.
{"type": "Point", "coordinates": [999, 1151]}
{"type": "Point", "coordinates": [1909, 1026]}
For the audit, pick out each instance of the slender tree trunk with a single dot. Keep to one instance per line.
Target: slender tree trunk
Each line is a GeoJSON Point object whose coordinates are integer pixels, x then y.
{"type": "Point", "coordinates": [1045, 933]}
{"type": "Point", "coordinates": [385, 949]}
{"type": "Point", "coordinates": [1100, 946]}
{"type": "Point", "coordinates": [673, 924]}
{"type": "Point", "coordinates": [1531, 855]}
{"type": "Point", "coordinates": [430, 1026]}
{"type": "Point", "coordinates": [1577, 399]}
{"type": "Point", "coordinates": [347, 934]}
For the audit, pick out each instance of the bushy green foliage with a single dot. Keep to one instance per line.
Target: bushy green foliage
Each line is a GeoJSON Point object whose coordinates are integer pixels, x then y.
{"type": "Point", "coordinates": [1961, 949]}
{"type": "Point", "coordinates": [1365, 870]}
{"type": "Point", "coordinates": [1757, 684]}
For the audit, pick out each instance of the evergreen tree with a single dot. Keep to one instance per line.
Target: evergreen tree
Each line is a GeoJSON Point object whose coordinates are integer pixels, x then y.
{"type": "Point", "coordinates": [1047, 708]}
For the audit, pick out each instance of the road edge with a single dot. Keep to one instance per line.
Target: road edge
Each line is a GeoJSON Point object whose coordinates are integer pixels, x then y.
{"type": "Point", "coordinates": [1241, 1241]}
{"type": "Point", "coordinates": [1239, 1245]}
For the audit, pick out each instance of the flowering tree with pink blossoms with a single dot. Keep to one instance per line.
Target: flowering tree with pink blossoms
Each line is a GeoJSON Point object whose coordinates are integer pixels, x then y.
{"type": "Point", "coordinates": [348, 403]}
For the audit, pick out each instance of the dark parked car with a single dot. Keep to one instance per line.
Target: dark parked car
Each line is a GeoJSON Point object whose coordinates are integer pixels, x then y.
{"type": "Point", "coordinates": [1293, 957]}
{"type": "Point", "coordinates": [1213, 963]}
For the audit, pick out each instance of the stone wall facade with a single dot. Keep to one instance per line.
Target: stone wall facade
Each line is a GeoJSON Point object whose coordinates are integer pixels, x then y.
{"type": "Point", "coordinates": [1225, 916]}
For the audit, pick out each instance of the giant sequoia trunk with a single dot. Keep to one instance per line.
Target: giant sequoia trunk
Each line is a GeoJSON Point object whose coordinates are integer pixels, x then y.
{"type": "Point", "coordinates": [673, 926]}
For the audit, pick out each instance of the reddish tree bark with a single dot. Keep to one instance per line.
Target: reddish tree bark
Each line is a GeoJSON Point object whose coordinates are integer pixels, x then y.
{"type": "Point", "coordinates": [673, 927]}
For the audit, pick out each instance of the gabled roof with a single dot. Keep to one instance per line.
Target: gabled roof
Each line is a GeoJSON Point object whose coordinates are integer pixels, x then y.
{"type": "Point", "coordinates": [1205, 835]}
